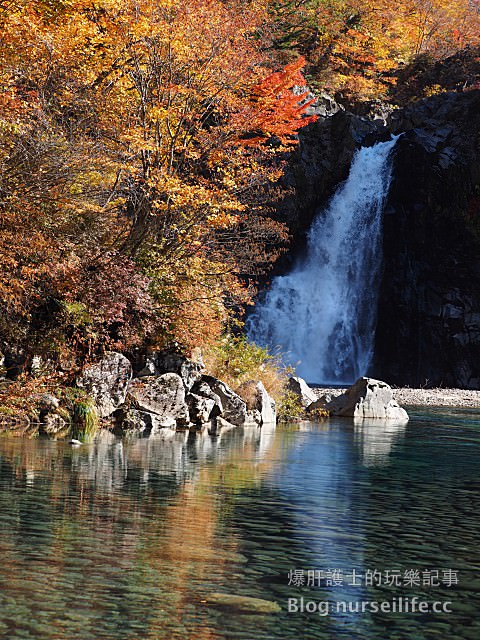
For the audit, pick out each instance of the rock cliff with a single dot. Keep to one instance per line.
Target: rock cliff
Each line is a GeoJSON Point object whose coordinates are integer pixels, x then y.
{"type": "Point", "coordinates": [428, 329]}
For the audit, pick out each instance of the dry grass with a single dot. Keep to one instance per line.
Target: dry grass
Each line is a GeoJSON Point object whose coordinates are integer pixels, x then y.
{"type": "Point", "coordinates": [237, 361]}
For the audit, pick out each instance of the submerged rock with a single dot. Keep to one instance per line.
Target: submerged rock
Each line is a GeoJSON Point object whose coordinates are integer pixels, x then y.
{"type": "Point", "coordinates": [107, 381]}
{"type": "Point", "coordinates": [243, 604]}
{"type": "Point", "coordinates": [368, 398]}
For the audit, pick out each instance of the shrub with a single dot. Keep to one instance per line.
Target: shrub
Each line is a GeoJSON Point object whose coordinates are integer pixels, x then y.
{"type": "Point", "coordinates": [235, 360]}
{"type": "Point", "coordinates": [85, 420]}
{"type": "Point", "coordinates": [289, 407]}
{"type": "Point", "coordinates": [83, 413]}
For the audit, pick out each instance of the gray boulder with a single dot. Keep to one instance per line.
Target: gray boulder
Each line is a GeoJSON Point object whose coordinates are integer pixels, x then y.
{"type": "Point", "coordinates": [202, 389]}
{"type": "Point", "coordinates": [43, 404]}
{"type": "Point", "coordinates": [162, 362]}
{"type": "Point", "coordinates": [368, 398]}
{"type": "Point", "coordinates": [106, 382]}
{"type": "Point", "coordinates": [201, 408]}
{"type": "Point", "coordinates": [234, 409]}
{"type": "Point", "coordinates": [302, 390]}
{"type": "Point", "coordinates": [162, 395]}
{"type": "Point", "coordinates": [134, 421]}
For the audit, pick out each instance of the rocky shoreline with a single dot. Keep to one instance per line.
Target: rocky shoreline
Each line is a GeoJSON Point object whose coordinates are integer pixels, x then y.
{"type": "Point", "coordinates": [172, 393]}
{"type": "Point", "coordinates": [438, 397]}
{"type": "Point", "coordinates": [167, 392]}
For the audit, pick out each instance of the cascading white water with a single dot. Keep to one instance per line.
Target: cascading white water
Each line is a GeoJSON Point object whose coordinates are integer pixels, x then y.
{"type": "Point", "coordinates": [322, 315]}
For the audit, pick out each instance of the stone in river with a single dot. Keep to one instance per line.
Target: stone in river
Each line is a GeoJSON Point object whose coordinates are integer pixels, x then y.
{"type": "Point", "coordinates": [243, 604]}
{"type": "Point", "coordinates": [368, 398]}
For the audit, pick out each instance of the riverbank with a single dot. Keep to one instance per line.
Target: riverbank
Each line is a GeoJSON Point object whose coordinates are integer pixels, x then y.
{"type": "Point", "coordinates": [438, 397]}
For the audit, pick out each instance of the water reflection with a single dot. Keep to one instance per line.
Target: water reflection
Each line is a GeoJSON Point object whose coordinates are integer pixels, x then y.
{"type": "Point", "coordinates": [121, 540]}
{"type": "Point", "coordinates": [376, 438]}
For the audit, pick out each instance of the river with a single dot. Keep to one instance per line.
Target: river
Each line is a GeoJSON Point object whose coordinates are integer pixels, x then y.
{"type": "Point", "coordinates": [129, 539]}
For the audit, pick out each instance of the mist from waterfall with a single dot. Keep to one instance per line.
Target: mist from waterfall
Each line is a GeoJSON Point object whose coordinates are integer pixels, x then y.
{"type": "Point", "coordinates": [322, 315]}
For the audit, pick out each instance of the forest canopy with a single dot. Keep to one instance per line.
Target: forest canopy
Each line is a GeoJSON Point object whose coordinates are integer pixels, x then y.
{"type": "Point", "coordinates": [141, 145]}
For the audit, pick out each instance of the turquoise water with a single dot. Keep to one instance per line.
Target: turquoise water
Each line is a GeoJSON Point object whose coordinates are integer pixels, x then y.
{"type": "Point", "coordinates": [127, 540]}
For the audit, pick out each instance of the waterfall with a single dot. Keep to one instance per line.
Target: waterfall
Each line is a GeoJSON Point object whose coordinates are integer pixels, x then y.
{"type": "Point", "coordinates": [322, 315]}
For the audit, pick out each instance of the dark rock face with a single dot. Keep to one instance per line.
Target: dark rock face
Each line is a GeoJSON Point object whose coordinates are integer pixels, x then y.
{"type": "Point", "coordinates": [428, 330]}
{"type": "Point", "coordinates": [455, 73]}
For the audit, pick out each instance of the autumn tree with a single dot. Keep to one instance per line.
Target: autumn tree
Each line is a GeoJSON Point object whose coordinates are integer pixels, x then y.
{"type": "Point", "coordinates": [354, 47]}
{"type": "Point", "coordinates": [131, 205]}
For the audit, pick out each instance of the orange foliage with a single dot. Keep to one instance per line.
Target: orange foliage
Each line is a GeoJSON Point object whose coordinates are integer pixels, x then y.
{"type": "Point", "coordinates": [358, 44]}
{"type": "Point", "coordinates": [125, 180]}
{"type": "Point", "coordinates": [275, 110]}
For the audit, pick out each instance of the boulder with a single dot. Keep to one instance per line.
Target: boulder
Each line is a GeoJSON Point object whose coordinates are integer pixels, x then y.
{"type": "Point", "coordinates": [302, 390]}
{"type": "Point", "coordinates": [321, 403]}
{"type": "Point", "coordinates": [162, 362]}
{"type": "Point", "coordinates": [134, 421]}
{"type": "Point", "coordinates": [43, 404]}
{"type": "Point", "coordinates": [162, 395]}
{"type": "Point", "coordinates": [234, 409]}
{"type": "Point", "coordinates": [106, 382]}
{"type": "Point", "coordinates": [261, 407]}
{"type": "Point", "coordinates": [201, 408]}
{"type": "Point", "coordinates": [202, 389]}
{"type": "Point", "coordinates": [47, 402]}
{"type": "Point", "coordinates": [368, 398]}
